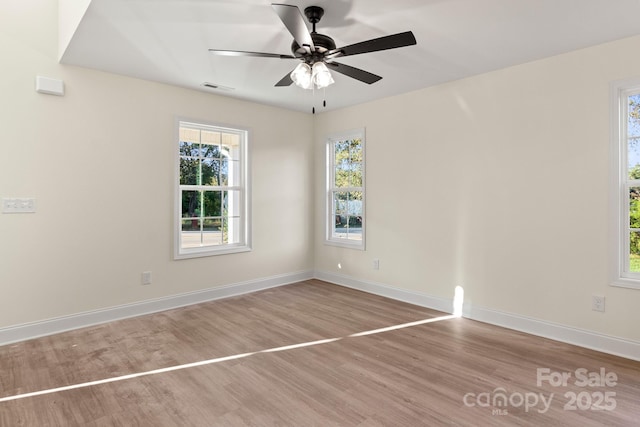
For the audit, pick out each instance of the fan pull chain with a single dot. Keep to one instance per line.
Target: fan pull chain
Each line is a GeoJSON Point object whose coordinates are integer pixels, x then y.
{"type": "Point", "coordinates": [324, 98]}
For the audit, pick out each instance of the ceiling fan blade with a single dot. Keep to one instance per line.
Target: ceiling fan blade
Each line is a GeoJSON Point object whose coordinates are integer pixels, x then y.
{"type": "Point", "coordinates": [382, 43]}
{"type": "Point", "coordinates": [293, 20]}
{"type": "Point", "coordinates": [244, 53]}
{"type": "Point", "coordinates": [286, 81]}
{"type": "Point", "coordinates": [356, 73]}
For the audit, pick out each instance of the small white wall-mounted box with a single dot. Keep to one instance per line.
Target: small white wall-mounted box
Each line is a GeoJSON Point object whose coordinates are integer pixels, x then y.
{"type": "Point", "coordinates": [49, 86]}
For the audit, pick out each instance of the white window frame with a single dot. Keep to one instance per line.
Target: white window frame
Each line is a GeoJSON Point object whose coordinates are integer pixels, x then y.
{"type": "Point", "coordinates": [242, 187]}
{"type": "Point", "coordinates": [330, 222]}
{"type": "Point", "coordinates": [620, 184]}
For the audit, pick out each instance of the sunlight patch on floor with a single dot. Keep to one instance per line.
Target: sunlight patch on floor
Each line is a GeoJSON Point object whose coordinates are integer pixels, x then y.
{"type": "Point", "coordinates": [402, 326]}
{"type": "Point", "coordinates": [221, 359]}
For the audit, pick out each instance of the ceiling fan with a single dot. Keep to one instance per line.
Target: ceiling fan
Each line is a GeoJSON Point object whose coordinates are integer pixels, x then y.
{"type": "Point", "coordinates": [318, 51]}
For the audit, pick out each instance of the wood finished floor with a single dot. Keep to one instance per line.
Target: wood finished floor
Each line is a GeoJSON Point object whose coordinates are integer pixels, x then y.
{"type": "Point", "coordinates": [414, 376]}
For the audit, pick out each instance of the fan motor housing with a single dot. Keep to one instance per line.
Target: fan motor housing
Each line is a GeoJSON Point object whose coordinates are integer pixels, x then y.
{"type": "Point", "coordinates": [321, 42]}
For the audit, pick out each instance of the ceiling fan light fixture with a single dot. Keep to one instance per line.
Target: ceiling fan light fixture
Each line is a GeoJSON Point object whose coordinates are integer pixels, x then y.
{"type": "Point", "coordinates": [320, 75]}
{"type": "Point", "coordinates": [301, 76]}
{"type": "Point", "coordinates": [318, 51]}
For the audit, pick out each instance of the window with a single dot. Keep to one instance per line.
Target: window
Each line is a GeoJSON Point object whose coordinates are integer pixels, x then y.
{"type": "Point", "coordinates": [345, 190]}
{"type": "Point", "coordinates": [626, 184]}
{"type": "Point", "coordinates": [212, 196]}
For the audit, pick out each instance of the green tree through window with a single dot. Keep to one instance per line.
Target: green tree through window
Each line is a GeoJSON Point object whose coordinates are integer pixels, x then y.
{"type": "Point", "coordinates": [212, 196]}
{"type": "Point", "coordinates": [633, 174]}
{"type": "Point", "coordinates": [346, 190]}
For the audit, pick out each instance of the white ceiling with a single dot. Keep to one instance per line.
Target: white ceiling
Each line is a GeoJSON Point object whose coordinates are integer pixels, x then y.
{"type": "Point", "coordinates": [168, 41]}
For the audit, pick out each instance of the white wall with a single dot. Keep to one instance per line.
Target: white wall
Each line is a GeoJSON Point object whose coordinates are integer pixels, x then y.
{"type": "Point", "coordinates": [498, 183]}
{"type": "Point", "coordinates": [100, 162]}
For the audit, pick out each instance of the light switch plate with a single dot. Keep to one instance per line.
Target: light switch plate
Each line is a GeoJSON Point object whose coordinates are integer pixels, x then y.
{"type": "Point", "coordinates": [19, 205]}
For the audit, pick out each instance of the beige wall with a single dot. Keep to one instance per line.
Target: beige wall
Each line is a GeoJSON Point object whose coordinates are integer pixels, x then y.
{"type": "Point", "coordinates": [100, 162]}
{"type": "Point", "coordinates": [497, 183]}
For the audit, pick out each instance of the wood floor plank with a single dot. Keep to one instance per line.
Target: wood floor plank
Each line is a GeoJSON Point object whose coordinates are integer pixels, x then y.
{"type": "Point", "coordinates": [413, 376]}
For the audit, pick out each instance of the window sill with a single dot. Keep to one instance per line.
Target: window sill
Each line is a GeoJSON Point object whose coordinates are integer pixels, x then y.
{"type": "Point", "coordinates": [200, 253]}
{"type": "Point", "coordinates": [356, 245]}
{"type": "Point", "coordinates": [623, 282]}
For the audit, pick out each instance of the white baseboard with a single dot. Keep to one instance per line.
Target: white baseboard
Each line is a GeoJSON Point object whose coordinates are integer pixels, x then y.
{"type": "Point", "coordinates": [423, 300]}
{"type": "Point", "coordinates": [75, 321]}
{"type": "Point", "coordinates": [567, 334]}
{"type": "Point", "coordinates": [583, 338]}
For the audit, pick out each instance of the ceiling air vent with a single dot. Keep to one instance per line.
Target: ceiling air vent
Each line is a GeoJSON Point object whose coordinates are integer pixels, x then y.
{"type": "Point", "coordinates": [216, 86]}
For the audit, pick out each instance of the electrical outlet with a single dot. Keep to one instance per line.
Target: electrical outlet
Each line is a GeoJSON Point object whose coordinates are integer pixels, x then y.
{"type": "Point", "coordinates": [597, 303]}
{"type": "Point", "coordinates": [146, 277]}
{"type": "Point", "coordinates": [376, 264]}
